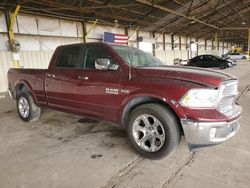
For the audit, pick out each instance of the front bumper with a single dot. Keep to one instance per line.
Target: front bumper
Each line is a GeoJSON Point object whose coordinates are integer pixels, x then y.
{"type": "Point", "coordinates": [202, 134]}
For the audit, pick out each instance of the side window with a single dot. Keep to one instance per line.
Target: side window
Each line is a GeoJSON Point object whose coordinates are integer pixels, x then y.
{"type": "Point", "coordinates": [140, 60]}
{"type": "Point", "coordinates": [210, 58]}
{"type": "Point", "coordinates": [204, 58]}
{"type": "Point", "coordinates": [200, 59]}
{"type": "Point", "coordinates": [70, 57]}
{"type": "Point", "coordinates": [196, 59]}
{"type": "Point", "coordinates": [235, 53]}
{"type": "Point", "coordinates": [93, 53]}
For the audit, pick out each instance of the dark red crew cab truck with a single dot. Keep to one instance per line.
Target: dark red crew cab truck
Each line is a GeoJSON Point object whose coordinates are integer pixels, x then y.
{"type": "Point", "coordinates": [155, 103]}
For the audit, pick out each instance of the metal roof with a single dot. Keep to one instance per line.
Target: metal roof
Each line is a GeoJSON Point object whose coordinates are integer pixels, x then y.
{"type": "Point", "coordinates": [198, 18]}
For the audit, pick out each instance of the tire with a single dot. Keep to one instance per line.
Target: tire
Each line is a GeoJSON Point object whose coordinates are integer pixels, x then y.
{"type": "Point", "coordinates": [244, 57]}
{"type": "Point", "coordinates": [223, 66]}
{"type": "Point", "coordinates": [27, 109]}
{"type": "Point", "coordinates": [164, 133]}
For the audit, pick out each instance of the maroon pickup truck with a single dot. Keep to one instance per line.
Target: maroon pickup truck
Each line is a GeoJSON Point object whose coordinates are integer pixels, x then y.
{"type": "Point", "coordinates": [155, 103]}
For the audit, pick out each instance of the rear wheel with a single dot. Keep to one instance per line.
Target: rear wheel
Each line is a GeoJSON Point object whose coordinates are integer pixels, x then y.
{"type": "Point", "coordinates": [153, 130]}
{"type": "Point", "coordinates": [26, 107]}
{"type": "Point", "coordinates": [244, 57]}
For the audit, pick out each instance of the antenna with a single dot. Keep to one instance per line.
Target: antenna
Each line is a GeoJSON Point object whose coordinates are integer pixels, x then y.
{"type": "Point", "coordinates": [130, 64]}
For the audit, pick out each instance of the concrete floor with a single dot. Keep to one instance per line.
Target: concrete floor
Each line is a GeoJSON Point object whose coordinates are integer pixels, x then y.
{"type": "Point", "coordinates": [64, 151]}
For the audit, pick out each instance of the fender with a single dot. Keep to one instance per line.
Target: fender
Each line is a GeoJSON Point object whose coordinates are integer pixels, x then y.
{"type": "Point", "coordinates": [142, 97]}
{"type": "Point", "coordinates": [28, 86]}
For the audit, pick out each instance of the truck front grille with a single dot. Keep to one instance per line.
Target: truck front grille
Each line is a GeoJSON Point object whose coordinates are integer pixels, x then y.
{"type": "Point", "coordinates": [228, 95]}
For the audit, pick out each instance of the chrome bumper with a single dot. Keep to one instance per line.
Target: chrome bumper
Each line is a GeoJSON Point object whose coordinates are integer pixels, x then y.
{"type": "Point", "coordinates": [202, 134]}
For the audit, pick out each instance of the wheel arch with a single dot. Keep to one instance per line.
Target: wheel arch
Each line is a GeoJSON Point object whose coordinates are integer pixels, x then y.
{"type": "Point", "coordinates": [24, 86]}
{"type": "Point", "coordinates": [140, 100]}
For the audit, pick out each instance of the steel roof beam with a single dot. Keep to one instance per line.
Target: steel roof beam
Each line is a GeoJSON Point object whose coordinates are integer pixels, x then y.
{"type": "Point", "coordinates": [234, 10]}
{"type": "Point", "coordinates": [175, 12]}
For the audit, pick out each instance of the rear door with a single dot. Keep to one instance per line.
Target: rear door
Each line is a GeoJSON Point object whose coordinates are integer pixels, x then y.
{"type": "Point", "coordinates": [61, 79]}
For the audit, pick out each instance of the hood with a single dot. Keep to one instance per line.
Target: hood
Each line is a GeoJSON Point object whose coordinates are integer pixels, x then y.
{"type": "Point", "coordinates": [200, 76]}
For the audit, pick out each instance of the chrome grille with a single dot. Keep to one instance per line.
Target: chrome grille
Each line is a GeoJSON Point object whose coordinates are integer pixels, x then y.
{"type": "Point", "coordinates": [228, 95]}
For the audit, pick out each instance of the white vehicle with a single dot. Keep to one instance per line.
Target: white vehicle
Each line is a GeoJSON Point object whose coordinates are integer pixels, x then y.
{"type": "Point", "coordinates": [236, 56]}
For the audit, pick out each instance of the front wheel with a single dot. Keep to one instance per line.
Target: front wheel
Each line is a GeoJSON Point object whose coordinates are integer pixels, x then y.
{"type": "Point", "coordinates": [223, 66]}
{"type": "Point", "coordinates": [153, 130]}
{"type": "Point", "coordinates": [27, 108]}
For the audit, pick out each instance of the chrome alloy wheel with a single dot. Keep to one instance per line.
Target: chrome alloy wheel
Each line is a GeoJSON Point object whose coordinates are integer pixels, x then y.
{"type": "Point", "coordinates": [23, 107]}
{"type": "Point", "coordinates": [148, 133]}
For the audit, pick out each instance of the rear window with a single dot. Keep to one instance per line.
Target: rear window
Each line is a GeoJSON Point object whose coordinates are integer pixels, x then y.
{"type": "Point", "coordinates": [70, 57]}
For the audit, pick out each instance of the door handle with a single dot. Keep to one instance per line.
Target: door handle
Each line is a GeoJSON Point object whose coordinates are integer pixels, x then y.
{"type": "Point", "coordinates": [83, 77]}
{"type": "Point", "coordinates": [51, 75]}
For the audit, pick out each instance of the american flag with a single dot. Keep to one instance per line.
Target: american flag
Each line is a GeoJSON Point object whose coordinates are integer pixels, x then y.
{"type": "Point", "coordinates": [115, 38]}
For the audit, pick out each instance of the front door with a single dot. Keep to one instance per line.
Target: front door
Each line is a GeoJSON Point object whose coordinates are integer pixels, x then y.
{"type": "Point", "coordinates": [99, 89]}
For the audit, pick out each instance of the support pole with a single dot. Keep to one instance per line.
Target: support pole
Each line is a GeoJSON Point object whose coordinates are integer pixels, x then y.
{"type": "Point", "coordinates": [130, 35]}
{"type": "Point", "coordinates": [222, 48]}
{"type": "Point", "coordinates": [216, 41]}
{"type": "Point", "coordinates": [197, 46]}
{"type": "Point", "coordinates": [84, 31]}
{"type": "Point", "coordinates": [172, 41]}
{"type": "Point", "coordinates": [7, 19]}
{"type": "Point", "coordinates": [12, 22]}
{"type": "Point", "coordinates": [164, 41]}
{"type": "Point", "coordinates": [137, 36]}
{"type": "Point", "coordinates": [248, 52]}
{"type": "Point", "coordinates": [90, 29]}
{"type": "Point", "coordinates": [180, 42]}
{"type": "Point", "coordinates": [11, 35]}
{"type": "Point", "coordinates": [153, 46]}
{"type": "Point", "coordinates": [205, 44]}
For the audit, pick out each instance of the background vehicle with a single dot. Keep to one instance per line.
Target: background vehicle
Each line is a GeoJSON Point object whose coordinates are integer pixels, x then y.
{"type": "Point", "coordinates": [209, 61]}
{"type": "Point", "coordinates": [156, 104]}
{"type": "Point", "coordinates": [178, 61]}
{"type": "Point", "coordinates": [236, 56]}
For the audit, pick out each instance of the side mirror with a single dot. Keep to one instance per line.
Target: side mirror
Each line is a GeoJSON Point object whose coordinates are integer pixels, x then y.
{"type": "Point", "coordinates": [102, 64]}
{"type": "Point", "coordinates": [113, 67]}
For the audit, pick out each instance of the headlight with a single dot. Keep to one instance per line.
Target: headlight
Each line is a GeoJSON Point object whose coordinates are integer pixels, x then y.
{"type": "Point", "coordinates": [200, 98]}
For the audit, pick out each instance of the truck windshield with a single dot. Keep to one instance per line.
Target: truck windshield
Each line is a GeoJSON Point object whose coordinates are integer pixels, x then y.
{"type": "Point", "coordinates": [135, 57]}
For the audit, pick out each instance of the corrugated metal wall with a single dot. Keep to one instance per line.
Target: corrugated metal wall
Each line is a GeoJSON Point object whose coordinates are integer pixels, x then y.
{"type": "Point", "coordinates": [28, 59]}
{"type": "Point", "coordinates": [38, 60]}
{"type": "Point", "coordinates": [5, 64]}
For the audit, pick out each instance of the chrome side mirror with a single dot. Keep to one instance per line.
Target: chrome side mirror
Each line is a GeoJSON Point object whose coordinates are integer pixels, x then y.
{"type": "Point", "coordinates": [113, 67]}
{"type": "Point", "coordinates": [102, 64]}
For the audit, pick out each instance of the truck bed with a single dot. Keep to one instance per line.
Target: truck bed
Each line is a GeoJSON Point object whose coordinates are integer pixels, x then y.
{"type": "Point", "coordinates": [33, 78]}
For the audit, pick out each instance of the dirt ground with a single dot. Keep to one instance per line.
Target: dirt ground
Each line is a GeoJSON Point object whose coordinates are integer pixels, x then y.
{"type": "Point", "coordinates": [66, 151]}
